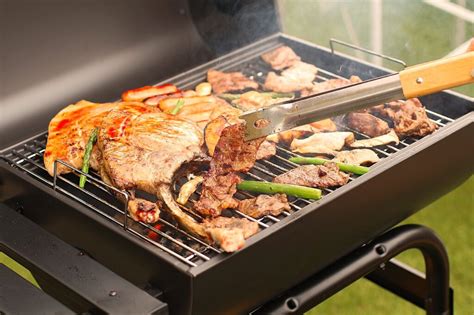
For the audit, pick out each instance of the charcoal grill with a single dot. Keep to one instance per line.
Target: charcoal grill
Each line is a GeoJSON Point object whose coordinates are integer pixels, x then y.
{"type": "Point", "coordinates": [194, 277]}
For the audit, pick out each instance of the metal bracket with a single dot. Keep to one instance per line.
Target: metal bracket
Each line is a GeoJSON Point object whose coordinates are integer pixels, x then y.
{"type": "Point", "coordinates": [372, 260]}
{"type": "Point", "coordinates": [370, 52]}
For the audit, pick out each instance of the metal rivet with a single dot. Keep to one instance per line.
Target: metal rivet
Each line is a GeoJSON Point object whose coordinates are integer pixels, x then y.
{"type": "Point", "coordinates": [81, 253]}
{"type": "Point", "coordinates": [419, 80]}
{"type": "Point", "coordinates": [113, 293]}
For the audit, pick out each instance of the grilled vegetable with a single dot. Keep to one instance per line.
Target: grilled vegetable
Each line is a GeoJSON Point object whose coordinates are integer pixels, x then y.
{"type": "Point", "coordinates": [230, 97]}
{"type": "Point", "coordinates": [177, 108]}
{"type": "Point", "coordinates": [356, 169]}
{"type": "Point", "coordinates": [87, 155]}
{"type": "Point", "coordinates": [273, 188]}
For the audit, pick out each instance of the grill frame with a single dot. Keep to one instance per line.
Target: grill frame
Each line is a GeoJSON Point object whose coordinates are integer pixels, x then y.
{"type": "Point", "coordinates": [215, 274]}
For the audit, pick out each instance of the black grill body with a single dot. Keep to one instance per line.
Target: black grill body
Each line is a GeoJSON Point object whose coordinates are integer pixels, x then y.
{"type": "Point", "coordinates": [286, 252]}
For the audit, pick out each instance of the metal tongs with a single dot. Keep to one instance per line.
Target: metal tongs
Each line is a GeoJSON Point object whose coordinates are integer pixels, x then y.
{"type": "Point", "coordinates": [415, 81]}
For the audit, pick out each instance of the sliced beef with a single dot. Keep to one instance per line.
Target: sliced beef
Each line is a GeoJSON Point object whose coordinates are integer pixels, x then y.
{"type": "Point", "coordinates": [409, 117]}
{"type": "Point", "coordinates": [356, 157]}
{"type": "Point", "coordinates": [321, 176]}
{"type": "Point", "coordinates": [217, 194]}
{"type": "Point", "coordinates": [233, 81]}
{"type": "Point", "coordinates": [367, 124]}
{"type": "Point", "coordinates": [281, 58]}
{"type": "Point", "coordinates": [263, 205]}
{"type": "Point", "coordinates": [230, 233]}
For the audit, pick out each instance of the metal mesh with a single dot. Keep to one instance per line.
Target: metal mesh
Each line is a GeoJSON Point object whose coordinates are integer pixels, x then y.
{"type": "Point", "coordinates": [167, 236]}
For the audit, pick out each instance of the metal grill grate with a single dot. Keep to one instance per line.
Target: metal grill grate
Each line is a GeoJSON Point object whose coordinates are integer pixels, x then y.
{"type": "Point", "coordinates": [97, 196]}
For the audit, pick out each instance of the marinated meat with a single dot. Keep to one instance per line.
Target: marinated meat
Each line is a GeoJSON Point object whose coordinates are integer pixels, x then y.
{"type": "Point", "coordinates": [266, 150]}
{"type": "Point", "coordinates": [324, 125]}
{"type": "Point", "coordinates": [232, 154]}
{"type": "Point", "coordinates": [288, 136]}
{"type": "Point", "coordinates": [144, 151]}
{"type": "Point", "coordinates": [388, 138]}
{"type": "Point", "coordinates": [70, 129]}
{"type": "Point", "coordinates": [409, 117]}
{"type": "Point", "coordinates": [233, 81]}
{"type": "Point", "coordinates": [330, 84]}
{"type": "Point", "coordinates": [230, 233]}
{"type": "Point", "coordinates": [322, 143]}
{"type": "Point", "coordinates": [254, 100]}
{"type": "Point", "coordinates": [298, 77]}
{"type": "Point", "coordinates": [217, 194]}
{"type": "Point", "coordinates": [281, 58]}
{"type": "Point", "coordinates": [264, 205]}
{"type": "Point", "coordinates": [321, 176]}
{"type": "Point", "coordinates": [356, 157]}
{"type": "Point", "coordinates": [367, 124]}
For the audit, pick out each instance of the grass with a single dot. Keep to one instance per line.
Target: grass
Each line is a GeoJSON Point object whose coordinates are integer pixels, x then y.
{"type": "Point", "coordinates": [413, 32]}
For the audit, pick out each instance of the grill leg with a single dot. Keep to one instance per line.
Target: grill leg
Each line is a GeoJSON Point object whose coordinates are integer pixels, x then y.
{"type": "Point", "coordinates": [433, 293]}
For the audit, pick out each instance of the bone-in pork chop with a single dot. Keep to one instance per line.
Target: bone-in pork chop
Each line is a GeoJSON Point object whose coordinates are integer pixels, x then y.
{"type": "Point", "coordinates": [70, 130]}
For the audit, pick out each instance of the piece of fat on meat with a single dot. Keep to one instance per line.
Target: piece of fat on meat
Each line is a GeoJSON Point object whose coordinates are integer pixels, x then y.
{"type": "Point", "coordinates": [388, 138]}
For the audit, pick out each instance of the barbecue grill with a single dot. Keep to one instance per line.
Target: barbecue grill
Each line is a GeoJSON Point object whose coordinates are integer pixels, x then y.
{"type": "Point", "coordinates": [185, 274]}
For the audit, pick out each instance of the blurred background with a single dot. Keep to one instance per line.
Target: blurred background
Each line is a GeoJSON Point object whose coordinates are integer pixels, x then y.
{"type": "Point", "coordinates": [414, 31]}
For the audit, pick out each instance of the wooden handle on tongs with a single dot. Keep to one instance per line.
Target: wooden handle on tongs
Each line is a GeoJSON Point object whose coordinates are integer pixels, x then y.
{"type": "Point", "coordinates": [438, 75]}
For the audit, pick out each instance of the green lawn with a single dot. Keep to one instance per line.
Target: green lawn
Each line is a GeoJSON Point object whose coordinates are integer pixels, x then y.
{"type": "Point", "coordinates": [414, 32]}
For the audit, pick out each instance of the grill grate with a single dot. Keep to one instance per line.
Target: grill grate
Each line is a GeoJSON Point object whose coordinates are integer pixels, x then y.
{"type": "Point", "coordinates": [28, 156]}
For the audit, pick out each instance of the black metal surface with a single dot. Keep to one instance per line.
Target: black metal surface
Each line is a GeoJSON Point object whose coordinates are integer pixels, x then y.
{"type": "Point", "coordinates": [349, 216]}
{"type": "Point", "coordinates": [18, 296]}
{"type": "Point", "coordinates": [405, 282]}
{"type": "Point", "coordinates": [68, 274]}
{"type": "Point", "coordinates": [434, 291]}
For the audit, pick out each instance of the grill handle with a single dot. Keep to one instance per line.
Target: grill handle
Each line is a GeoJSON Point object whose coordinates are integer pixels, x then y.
{"type": "Point", "coordinates": [67, 274]}
{"type": "Point", "coordinates": [433, 293]}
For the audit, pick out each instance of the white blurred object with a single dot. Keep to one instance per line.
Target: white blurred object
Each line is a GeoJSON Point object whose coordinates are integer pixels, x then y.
{"type": "Point", "coordinates": [453, 9]}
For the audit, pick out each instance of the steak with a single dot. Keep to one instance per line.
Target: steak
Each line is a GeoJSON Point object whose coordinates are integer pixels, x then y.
{"type": "Point", "coordinates": [217, 194]}
{"type": "Point", "coordinates": [367, 124]}
{"type": "Point", "coordinates": [281, 58]}
{"type": "Point", "coordinates": [321, 176]}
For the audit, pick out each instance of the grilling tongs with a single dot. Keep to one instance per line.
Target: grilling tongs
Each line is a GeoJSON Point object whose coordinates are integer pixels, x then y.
{"type": "Point", "coordinates": [412, 82]}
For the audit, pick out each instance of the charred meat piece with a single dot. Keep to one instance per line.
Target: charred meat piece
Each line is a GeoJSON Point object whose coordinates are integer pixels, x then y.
{"type": "Point", "coordinates": [281, 58]}
{"type": "Point", "coordinates": [367, 124]}
{"type": "Point", "coordinates": [409, 117]}
{"type": "Point", "coordinates": [388, 138]}
{"type": "Point", "coordinates": [217, 194]}
{"type": "Point", "coordinates": [323, 143]}
{"type": "Point", "coordinates": [70, 129]}
{"type": "Point", "coordinates": [230, 233]}
{"type": "Point", "coordinates": [330, 84]}
{"type": "Point", "coordinates": [143, 152]}
{"type": "Point", "coordinates": [233, 81]}
{"type": "Point", "coordinates": [320, 176]}
{"type": "Point", "coordinates": [356, 157]}
{"type": "Point", "coordinates": [298, 77]}
{"type": "Point", "coordinates": [143, 210]}
{"type": "Point", "coordinates": [266, 150]}
{"type": "Point", "coordinates": [264, 205]}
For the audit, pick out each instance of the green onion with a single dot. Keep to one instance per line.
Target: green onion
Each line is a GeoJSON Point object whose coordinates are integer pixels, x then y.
{"type": "Point", "coordinates": [87, 155]}
{"type": "Point", "coordinates": [273, 188]}
{"type": "Point", "coordinates": [356, 169]}
{"type": "Point", "coordinates": [178, 106]}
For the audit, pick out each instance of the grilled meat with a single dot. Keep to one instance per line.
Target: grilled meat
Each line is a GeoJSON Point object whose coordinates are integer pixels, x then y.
{"type": "Point", "coordinates": [188, 189]}
{"type": "Point", "coordinates": [230, 233]}
{"type": "Point", "coordinates": [233, 81]}
{"type": "Point", "coordinates": [281, 58]}
{"type": "Point", "coordinates": [356, 156]}
{"type": "Point", "coordinates": [321, 176]}
{"type": "Point", "coordinates": [324, 125]}
{"type": "Point", "coordinates": [255, 100]}
{"type": "Point", "coordinates": [70, 129]}
{"type": "Point", "coordinates": [367, 124]}
{"type": "Point", "coordinates": [298, 77]}
{"type": "Point", "coordinates": [217, 194]}
{"type": "Point", "coordinates": [288, 136]}
{"type": "Point", "coordinates": [322, 143]}
{"type": "Point", "coordinates": [388, 138]}
{"type": "Point", "coordinates": [264, 205]}
{"type": "Point", "coordinates": [330, 84]}
{"type": "Point", "coordinates": [144, 151]}
{"type": "Point", "coordinates": [409, 117]}
{"type": "Point", "coordinates": [266, 150]}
